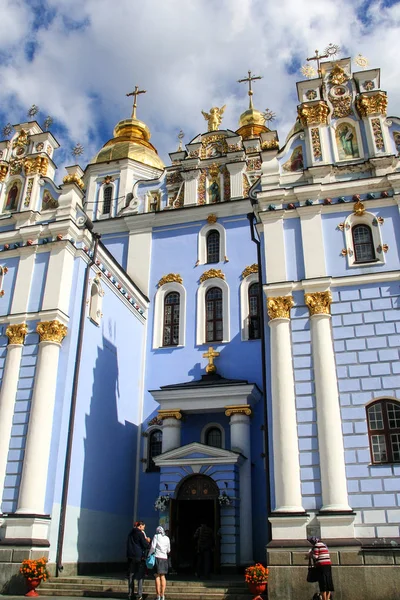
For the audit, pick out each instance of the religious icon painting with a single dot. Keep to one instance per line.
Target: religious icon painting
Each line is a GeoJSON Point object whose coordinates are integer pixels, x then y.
{"type": "Point", "coordinates": [12, 196]}
{"type": "Point", "coordinates": [295, 162]}
{"type": "Point", "coordinates": [346, 142]}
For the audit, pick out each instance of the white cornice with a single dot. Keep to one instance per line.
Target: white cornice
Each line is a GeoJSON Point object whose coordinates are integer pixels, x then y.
{"type": "Point", "coordinates": [286, 287]}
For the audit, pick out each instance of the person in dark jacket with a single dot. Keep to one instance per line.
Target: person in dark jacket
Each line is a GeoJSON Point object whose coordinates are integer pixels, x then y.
{"type": "Point", "coordinates": [136, 549]}
{"type": "Point", "coordinates": [204, 540]}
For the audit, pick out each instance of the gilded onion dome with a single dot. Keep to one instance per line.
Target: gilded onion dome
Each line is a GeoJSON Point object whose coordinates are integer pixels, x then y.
{"type": "Point", "coordinates": [130, 140]}
{"type": "Point", "coordinates": [252, 121]}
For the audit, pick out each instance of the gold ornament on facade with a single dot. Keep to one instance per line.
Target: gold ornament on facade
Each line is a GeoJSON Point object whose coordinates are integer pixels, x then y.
{"type": "Point", "coordinates": [107, 179]}
{"type": "Point", "coordinates": [319, 303]}
{"type": "Point", "coordinates": [28, 194]}
{"type": "Point", "coordinates": [359, 208]}
{"type": "Point", "coordinates": [210, 355]}
{"type": "Point", "coordinates": [51, 331]}
{"type": "Point", "coordinates": [209, 140]}
{"type": "Point", "coordinates": [170, 278]}
{"type": "Point", "coordinates": [212, 218]}
{"type": "Point", "coordinates": [214, 117]}
{"type": "Point", "coordinates": [270, 145]}
{"type": "Point", "coordinates": [16, 165]}
{"type": "Point", "coordinates": [371, 105]}
{"type": "Point", "coordinates": [341, 107]}
{"type": "Point", "coordinates": [21, 140]}
{"type": "Point", "coordinates": [3, 172]}
{"type": "Point", "coordinates": [240, 409]}
{"type": "Point", "coordinates": [314, 114]}
{"type": "Point", "coordinates": [211, 273]}
{"type": "Point", "coordinates": [74, 179]}
{"type": "Point", "coordinates": [316, 143]}
{"type": "Point", "coordinates": [249, 270]}
{"type": "Point", "coordinates": [338, 76]}
{"type": "Point", "coordinates": [213, 171]}
{"type": "Point", "coordinates": [378, 134]}
{"type": "Point", "coordinates": [169, 414]}
{"type": "Point", "coordinates": [279, 307]}
{"type": "Point", "coordinates": [16, 333]}
{"type": "Point", "coordinates": [344, 252]}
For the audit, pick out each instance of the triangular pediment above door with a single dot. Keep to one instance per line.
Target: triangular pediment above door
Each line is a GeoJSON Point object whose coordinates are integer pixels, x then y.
{"type": "Point", "coordinates": [197, 454]}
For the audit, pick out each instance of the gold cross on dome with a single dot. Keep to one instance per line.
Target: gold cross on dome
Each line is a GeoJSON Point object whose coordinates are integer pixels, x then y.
{"type": "Point", "coordinates": [135, 94]}
{"type": "Point", "coordinates": [318, 58]}
{"type": "Point", "coordinates": [211, 354]}
{"type": "Point", "coordinates": [248, 80]}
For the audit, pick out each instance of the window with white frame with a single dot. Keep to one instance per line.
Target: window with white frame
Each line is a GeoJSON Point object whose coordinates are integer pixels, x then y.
{"type": "Point", "coordinates": [363, 240]}
{"type": "Point", "coordinates": [107, 199]}
{"type": "Point", "coordinates": [154, 448]}
{"type": "Point", "coordinates": [213, 434]}
{"type": "Point", "coordinates": [169, 315]}
{"type": "Point", "coordinates": [212, 244]}
{"type": "Point", "coordinates": [250, 307]}
{"type": "Point", "coordinates": [96, 300]}
{"type": "Point", "coordinates": [383, 418]}
{"type": "Point", "coordinates": [213, 311]}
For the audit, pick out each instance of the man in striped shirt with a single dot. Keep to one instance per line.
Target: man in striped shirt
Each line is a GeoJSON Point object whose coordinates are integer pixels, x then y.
{"type": "Point", "coordinates": [320, 556]}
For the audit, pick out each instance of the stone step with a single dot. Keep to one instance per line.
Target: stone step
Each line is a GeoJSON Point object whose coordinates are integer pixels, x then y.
{"type": "Point", "coordinates": [93, 582]}
{"type": "Point", "coordinates": [148, 586]}
{"type": "Point", "coordinates": [171, 595]}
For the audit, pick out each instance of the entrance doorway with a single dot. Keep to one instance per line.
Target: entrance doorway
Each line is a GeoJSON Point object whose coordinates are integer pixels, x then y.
{"type": "Point", "coordinates": [196, 503]}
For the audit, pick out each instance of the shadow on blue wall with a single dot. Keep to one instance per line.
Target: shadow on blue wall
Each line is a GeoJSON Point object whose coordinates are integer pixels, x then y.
{"type": "Point", "coordinates": [109, 468]}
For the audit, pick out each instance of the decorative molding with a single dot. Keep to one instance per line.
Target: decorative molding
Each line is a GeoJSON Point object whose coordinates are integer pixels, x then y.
{"type": "Point", "coordinates": [341, 107]}
{"type": "Point", "coordinates": [279, 307]}
{"type": "Point", "coordinates": [169, 414]}
{"type": "Point", "coordinates": [51, 331]}
{"type": "Point", "coordinates": [319, 303]}
{"type": "Point", "coordinates": [74, 179]}
{"type": "Point", "coordinates": [28, 194]}
{"type": "Point", "coordinates": [316, 143]}
{"type": "Point", "coordinates": [211, 273]}
{"type": "Point", "coordinates": [16, 333]}
{"type": "Point", "coordinates": [371, 105]}
{"type": "Point", "coordinates": [314, 114]}
{"type": "Point", "coordinates": [270, 145]}
{"type": "Point", "coordinates": [212, 218]}
{"type": "Point", "coordinates": [359, 208]}
{"type": "Point", "coordinates": [249, 270]}
{"type": "Point", "coordinates": [378, 134]}
{"type": "Point", "coordinates": [338, 76]}
{"type": "Point", "coordinates": [240, 409]}
{"type": "Point", "coordinates": [3, 172]}
{"type": "Point", "coordinates": [107, 179]}
{"type": "Point", "coordinates": [170, 278]}
{"type": "Point", "coordinates": [22, 139]}
{"type": "Point", "coordinates": [38, 165]}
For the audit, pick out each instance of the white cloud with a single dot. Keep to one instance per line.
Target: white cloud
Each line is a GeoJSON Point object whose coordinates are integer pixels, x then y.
{"type": "Point", "coordinates": [187, 54]}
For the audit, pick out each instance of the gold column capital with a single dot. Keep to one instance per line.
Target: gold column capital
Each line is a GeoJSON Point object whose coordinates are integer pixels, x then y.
{"type": "Point", "coordinates": [239, 409]}
{"type": "Point", "coordinates": [319, 303]}
{"type": "Point", "coordinates": [279, 307]}
{"type": "Point", "coordinates": [16, 333]}
{"type": "Point", "coordinates": [170, 414]}
{"type": "Point", "coordinates": [51, 331]}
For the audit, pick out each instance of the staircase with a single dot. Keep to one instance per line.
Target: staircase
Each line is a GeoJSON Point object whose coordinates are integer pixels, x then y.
{"type": "Point", "coordinates": [226, 588]}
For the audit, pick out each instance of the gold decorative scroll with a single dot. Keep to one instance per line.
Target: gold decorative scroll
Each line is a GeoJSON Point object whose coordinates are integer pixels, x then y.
{"type": "Point", "coordinates": [240, 409]}
{"type": "Point", "coordinates": [16, 333]}
{"type": "Point", "coordinates": [279, 307]}
{"type": "Point", "coordinates": [212, 218]}
{"type": "Point", "coordinates": [313, 114]}
{"type": "Point", "coordinates": [210, 355]}
{"type": "Point", "coordinates": [319, 303]}
{"type": "Point", "coordinates": [359, 208]}
{"type": "Point", "coordinates": [74, 179]}
{"type": "Point", "coordinates": [39, 165]}
{"type": "Point", "coordinates": [51, 331]}
{"type": "Point", "coordinates": [21, 140]}
{"type": "Point", "coordinates": [169, 414]}
{"type": "Point", "coordinates": [212, 273]}
{"type": "Point", "coordinates": [3, 172]}
{"type": "Point", "coordinates": [170, 278]}
{"type": "Point", "coordinates": [372, 105]}
{"type": "Point", "coordinates": [338, 76]}
{"type": "Point", "coordinates": [249, 270]}
{"type": "Point", "coordinates": [270, 145]}
{"type": "Point", "coordinates": [341, 107]}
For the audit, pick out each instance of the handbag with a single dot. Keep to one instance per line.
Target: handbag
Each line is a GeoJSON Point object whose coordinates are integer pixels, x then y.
{"type": "Point", "coordinates": [151, 561]}
{"type": "Point", "coordinates": [312, 575]}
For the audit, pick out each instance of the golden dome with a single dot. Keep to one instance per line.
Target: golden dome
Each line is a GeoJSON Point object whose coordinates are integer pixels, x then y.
{"type": "Point", "coordinates": [131, 140]}
{"type": "Point", "coordinates": [251, 123]}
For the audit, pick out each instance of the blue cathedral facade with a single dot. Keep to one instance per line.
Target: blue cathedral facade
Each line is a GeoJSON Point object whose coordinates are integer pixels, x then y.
{"type": "Point", "coordinates": [215, 341]}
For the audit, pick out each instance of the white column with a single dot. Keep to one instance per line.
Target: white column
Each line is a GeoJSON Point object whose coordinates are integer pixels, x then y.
{"type": "Point", "coordinates": [171, 431]}
{"type": "Point", "coordinates": [236, 171]}
{"type": "Point", "coordinates": [37, 450]}
{"type": "Point", "coordinates": [16, 336]}
{"type": "Point", "coordinates": [191, 182]}
{"type": "Point", "coordinates": [284, 425]}
{"type": "Point", "coordinates": [240, 441]}
{"type": "Point", "coordinates": [330, 437]}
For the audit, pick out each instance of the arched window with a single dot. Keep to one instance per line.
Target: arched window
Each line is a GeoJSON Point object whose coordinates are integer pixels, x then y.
{"type": "Point", "coordinates": [214, 437]}
{"type": "Point", "coordinates": [254, 312]}
{"type": "Point", "coordinates": [363, 244]}
{"type": "Point", "coordinates": [155, 449]}
{"type": "Point", "coordinates": [214, 320]}
{"type": "Point", "coordinates": [213, 246]}
{"type": "Point", "coordinates": [107, 197]}
{"type": "Point", "coordinates": [96, 300]}
{"type": "Point", "coordinates": [171, 319]}
{"type": "Point", "coordinates": [383, 417]}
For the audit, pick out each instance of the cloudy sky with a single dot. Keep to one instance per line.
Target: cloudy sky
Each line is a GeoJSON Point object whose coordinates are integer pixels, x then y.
{"type": "Point", "coordinates": [76, 59]}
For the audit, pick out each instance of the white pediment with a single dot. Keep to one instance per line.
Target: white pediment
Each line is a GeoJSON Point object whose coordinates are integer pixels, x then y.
{"type": "Point", "coordinates": [197, 454]}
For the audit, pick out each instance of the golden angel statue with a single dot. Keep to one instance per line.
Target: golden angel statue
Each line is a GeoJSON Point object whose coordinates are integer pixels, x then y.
{"type": "Point", "coordinates": [214, 118]}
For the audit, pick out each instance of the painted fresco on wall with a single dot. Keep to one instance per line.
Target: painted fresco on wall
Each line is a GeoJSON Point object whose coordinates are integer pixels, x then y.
{"type": "Point", "coordinates": [12, 197]}
{"type": "Point", "coordinates": [295, 162]}
{"type": "Point", "coordinates": [346, 142]}
{"type": "Point", "coordinates": [396, 137]}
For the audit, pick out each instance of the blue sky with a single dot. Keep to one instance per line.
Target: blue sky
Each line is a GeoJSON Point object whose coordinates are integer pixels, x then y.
{"type": "Point", "coordinates": [76, 59]}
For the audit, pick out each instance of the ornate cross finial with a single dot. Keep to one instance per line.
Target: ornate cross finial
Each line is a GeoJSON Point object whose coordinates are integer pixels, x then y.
{"type": "Point", "coordinates": [135, 94]}
{"type": "Point", "coordinates": [248, 80]}
{"type": "Point", "coordinates": [181, 135]}
{"type": "Point", "coordinates": [318, 57]}
{"type": "Point", "coordinates": [211, 354]}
